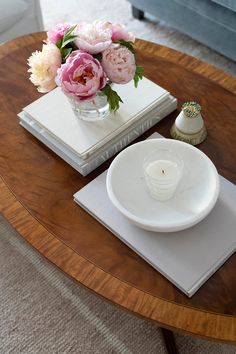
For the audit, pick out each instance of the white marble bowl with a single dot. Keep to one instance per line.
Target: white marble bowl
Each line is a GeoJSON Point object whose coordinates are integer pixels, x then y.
{"type": "Point", "coordinates": [193, 200]}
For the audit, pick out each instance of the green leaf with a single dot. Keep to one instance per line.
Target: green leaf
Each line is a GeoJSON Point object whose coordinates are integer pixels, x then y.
{"type": "Point", "coordinates": [112, 98]}
{"type": "Point", "coordinates": [59, 43]}
{"type": "Point", "coordinates": [138, 75]}
{"type": "Point", "coordinates": [65, 52]}
{"type": "Point", "coordinates": [67, 40]}
{"type": "Point", "coordinates": [127, 44]}
{"type": "Point", "coordinates": [70, 30]}
{"type": "Point", "coordinates": [98, 56]}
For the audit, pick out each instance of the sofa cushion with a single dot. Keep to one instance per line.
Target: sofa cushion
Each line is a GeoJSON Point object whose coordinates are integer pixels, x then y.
{"type": "Point", "coordinates": [203, 20]}
{"type": "Point", "coordinates": [210, 11]}
{"type": "Point", "coordinates": [11, 12]}
{"type": "Point", "coordinates": [229, 4]}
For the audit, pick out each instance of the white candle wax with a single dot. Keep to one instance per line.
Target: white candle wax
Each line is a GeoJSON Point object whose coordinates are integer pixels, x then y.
{"type": "Point", "coordinates": [162, 178]}
{"type": "Point", "coordinates": [163, 170]}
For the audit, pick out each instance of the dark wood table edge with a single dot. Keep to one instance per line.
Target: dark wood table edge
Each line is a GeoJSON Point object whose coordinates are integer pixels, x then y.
{"type": "Point", "coordinates": [164, 313]}
{"type": "Point", "coordinates": [191, 63]}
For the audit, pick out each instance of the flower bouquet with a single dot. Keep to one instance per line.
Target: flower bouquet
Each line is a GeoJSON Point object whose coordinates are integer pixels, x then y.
{"type": "Point", "coordinates": [85, 60]}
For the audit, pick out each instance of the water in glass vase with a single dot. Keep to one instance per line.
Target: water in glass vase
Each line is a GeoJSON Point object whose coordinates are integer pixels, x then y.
{"type": "Point", "coordinates": [92, 110]}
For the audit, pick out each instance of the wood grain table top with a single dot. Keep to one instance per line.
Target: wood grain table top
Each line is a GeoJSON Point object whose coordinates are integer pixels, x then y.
{"type": "Point", "coordinates": [37, 187]}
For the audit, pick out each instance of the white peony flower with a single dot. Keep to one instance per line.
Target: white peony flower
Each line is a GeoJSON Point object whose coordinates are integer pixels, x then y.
{"type": "Point", "coordinates": [93, 37]}
{"type": "Point", "coordinates": [43, 67]}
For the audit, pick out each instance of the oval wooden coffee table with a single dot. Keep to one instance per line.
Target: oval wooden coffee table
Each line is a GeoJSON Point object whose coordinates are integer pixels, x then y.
{"type": "Point", "coordinates": [36, 190]}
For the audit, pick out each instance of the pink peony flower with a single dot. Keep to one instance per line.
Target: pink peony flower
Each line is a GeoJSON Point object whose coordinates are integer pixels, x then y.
{"type": "Point", "coordinates": [43, 67]}
{"type": "Point", "coordinates": [93, 38]}
{"type": "Point", "coordinates": [58, 32]}
{"type": "Point", "coordinates": [119, 64]}
{"type": "Point", "coordinates": [81, 77]}
{"type": "Point", "coordinates": [120, 32]}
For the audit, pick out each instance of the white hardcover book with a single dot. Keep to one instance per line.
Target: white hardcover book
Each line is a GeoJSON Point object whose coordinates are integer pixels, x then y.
{"type": "Point", "coordinates": [85, 166]}
{"type": "Point", "coordinates": [54, 114]}
{"type": "Point", "coordinates": [187, 258]}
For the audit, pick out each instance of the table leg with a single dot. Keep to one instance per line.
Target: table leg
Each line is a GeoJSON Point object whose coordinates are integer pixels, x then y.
{"type": "Point", "coordinates": [169, 340]}
{"type": "Point", "coordinates": [138, 14]}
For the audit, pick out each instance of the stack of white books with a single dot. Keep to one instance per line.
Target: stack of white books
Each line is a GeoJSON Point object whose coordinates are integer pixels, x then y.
{"type": "Point", "coordinates": [86, 145]}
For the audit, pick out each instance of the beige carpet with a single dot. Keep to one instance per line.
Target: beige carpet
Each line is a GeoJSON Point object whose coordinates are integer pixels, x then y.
{"type": "Point", "coordinates": [120, 11]}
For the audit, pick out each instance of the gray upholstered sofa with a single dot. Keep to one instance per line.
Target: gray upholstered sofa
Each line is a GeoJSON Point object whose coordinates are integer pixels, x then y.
{"type": "Point", "coordinates": [18, 17]}
{"type": "Point", "coordinates": [212, 22]}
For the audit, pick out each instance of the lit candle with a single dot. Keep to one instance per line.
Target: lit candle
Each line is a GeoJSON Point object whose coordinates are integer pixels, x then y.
{"type": "Point", "coordinates": [163, 169]}
{"type": "Point", "coordinates": [162, 175]}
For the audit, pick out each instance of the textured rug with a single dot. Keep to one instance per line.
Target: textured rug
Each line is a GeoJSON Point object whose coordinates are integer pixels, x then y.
{"type": "Point", "coordinates": [42, 311]}
{"type": "Point", "coordinates": [120, 11]}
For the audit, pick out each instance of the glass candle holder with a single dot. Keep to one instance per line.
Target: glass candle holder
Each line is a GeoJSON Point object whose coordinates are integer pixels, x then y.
{"type": "Point", "coordinates": [163, 169]}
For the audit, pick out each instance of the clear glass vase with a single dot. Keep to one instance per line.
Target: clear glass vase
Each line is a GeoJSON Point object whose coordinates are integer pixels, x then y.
{"type": "Point", "coordinates": [92, 110]}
